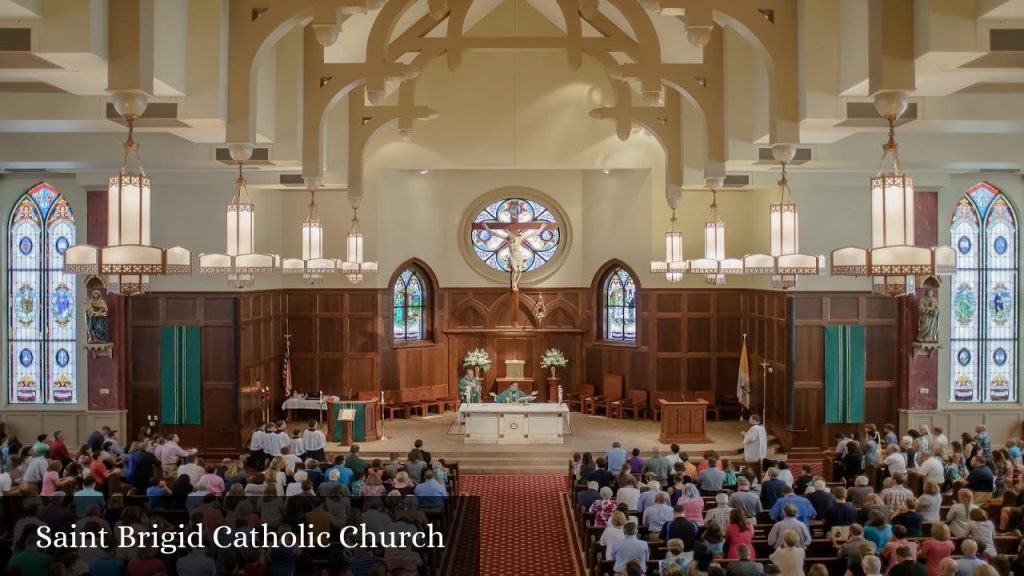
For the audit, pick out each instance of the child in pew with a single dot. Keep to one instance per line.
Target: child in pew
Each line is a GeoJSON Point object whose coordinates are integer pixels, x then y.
{"type": "Point", "coordinates": [982, 531]}
{"type": "Point", "coordinates": [714, 540]}
{"type": "Point", "coordinates": [730, 474]}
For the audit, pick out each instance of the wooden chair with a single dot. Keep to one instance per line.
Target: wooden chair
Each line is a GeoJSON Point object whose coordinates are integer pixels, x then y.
{"type": "Point", "coordinates": [656, 405]}
{"type": "Point", "coordinates": [443, 398]}
{"type": "Point", "coordinates": [576, 399]}
{"type": "Point", "coordinates": [711, 398]}
{"type": "Point", "coordinates": [611, 391]}
{"type": "Point", "coordinates": [393, 405]}
{"type": "Point", "coordinates": [635, 404]}
{"type": "Point", "coordinates": [413, 401]}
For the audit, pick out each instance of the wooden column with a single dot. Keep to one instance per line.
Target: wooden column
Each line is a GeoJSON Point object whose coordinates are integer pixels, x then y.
{"type": "Point", "coordinates": [920, 378]}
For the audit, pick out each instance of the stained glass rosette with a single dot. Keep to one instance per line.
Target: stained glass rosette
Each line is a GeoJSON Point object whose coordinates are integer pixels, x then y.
{"type": "Point", "coordinates": [492, 245]}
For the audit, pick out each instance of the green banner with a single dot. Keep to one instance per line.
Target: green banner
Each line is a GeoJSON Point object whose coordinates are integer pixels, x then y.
{"type": "Point", "coordinates": [180, 374]}
{"type": "Point", "coordinates": [844, 374]}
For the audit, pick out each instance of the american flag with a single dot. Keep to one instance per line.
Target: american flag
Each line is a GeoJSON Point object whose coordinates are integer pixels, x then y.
{"type": "Point", "coordinates": [286, 366]}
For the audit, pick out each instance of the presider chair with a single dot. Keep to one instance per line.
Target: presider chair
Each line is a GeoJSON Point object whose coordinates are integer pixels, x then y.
{"type": "Point", "coordinates": [393, 406]}
{"type": "Point", "coordinates": [576, 399]}
{"type": "Point", "coordinates": [611, 391]}
{"type": "Point", "coordinates": [443, 398]}
{"type": "Point", "coordinates": [711, 398]}
{"type": "Point", "coordinates": [635, 404]}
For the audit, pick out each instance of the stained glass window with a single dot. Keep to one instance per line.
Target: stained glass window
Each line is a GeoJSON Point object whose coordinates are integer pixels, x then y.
{"type": "Point", "coordinates": [983, 332]}
{"type": "Point", "coordinates": [491, 238]}
{"type": "Point", "coordinates": [42, 300]}
{"type": "Point", "coordinates": [410, 297]}
{"type": "Point", "coordinates": [619, 306]}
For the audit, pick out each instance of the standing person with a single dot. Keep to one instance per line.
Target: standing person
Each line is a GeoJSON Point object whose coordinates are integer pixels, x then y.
{"type": "Point", "coordinates": [314, 441]}
{"type": "Point", "coordinates": [755, 441]}
{"type": "Point", "coordinates": [469, 387]}
{"type": "Point", "coordinates": [170, 454]}
{"type": "Point", "coordinates": [937, 547]}
{"type": "Point", "coordinates": [790, 557]}
{"type": "Point", "coordinates": [615, 457]}
{"type": "Point", "coordinates": [658, 465]}
{"type": "Point", "coordinates": [257, 456]}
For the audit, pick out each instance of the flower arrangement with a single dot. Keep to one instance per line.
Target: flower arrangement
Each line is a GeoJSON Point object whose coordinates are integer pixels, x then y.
{"type": "Point", "coordinates": [477, 358]}
{"type": "Point", "coordinates": [553, 358]}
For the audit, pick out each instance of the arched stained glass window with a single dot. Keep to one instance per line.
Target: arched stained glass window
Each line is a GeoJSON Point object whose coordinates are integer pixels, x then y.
{"type": "Point", "coordinates": [983, 332]}
{"type": "Point", "coordinates": [491, 234]}
{"type": "Point", "coordinates": [42, 317]}
{"type": "Point", "coordinates": [410, 297]}
{"type": "Point", "coordinates": [619, 296]}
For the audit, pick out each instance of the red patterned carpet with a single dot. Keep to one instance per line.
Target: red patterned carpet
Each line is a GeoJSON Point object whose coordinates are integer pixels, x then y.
{"type": "Point", "coordinates": [524, 528]}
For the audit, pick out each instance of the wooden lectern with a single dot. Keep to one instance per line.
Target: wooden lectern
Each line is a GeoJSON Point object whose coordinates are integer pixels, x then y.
{"type": "Point", "coordinates": [683, 422]}
{"type": "Point", "coordinates": [364, 427]}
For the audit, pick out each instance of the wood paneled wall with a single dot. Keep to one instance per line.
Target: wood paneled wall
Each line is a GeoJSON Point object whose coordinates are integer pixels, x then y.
{"type": "Point", "coordinates": [220, 432]}
{"type": "Point", "coordinates": [810, 313]}
{"type": "Point", "coordinates": [688, 341]}
{"type": "Point", "coordinates": [260, 348]}
{"type": "Point", "coordinates": [336, 340]}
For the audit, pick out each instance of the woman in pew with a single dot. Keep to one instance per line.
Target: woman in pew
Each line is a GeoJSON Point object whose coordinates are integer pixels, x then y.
{"type": "Point", "coordinates": [929, 503]}
{"type": "Point", "coordinates": [899, 540]}
{"type": "Point", "coordinates": [603, 508]}
{"type": "Point", "coordinates": [789, 558]}
{"type": "Point", "coordinates": [958, 516]}
{"type": "Point", "coordinates": [703, 561]}
{"type": "Point", "coordinates": [1012, 512]}
{"type": "Point", "coordinates": [738, 532]}
{"type": "Point", "coordinates": [936, 547]}
{"type": "Point", "coordinates": [872, 503]}
{"type": "Point", "coordinates": [674, 557]}
{"type": "Point", "coordinates": [613, 531]}
{"type": "Point", "coordinates": [877, 530]}
{"type": "Point", "coordinates": [693, 504]}
{"type": "Point", "coordinates": [714, 540]}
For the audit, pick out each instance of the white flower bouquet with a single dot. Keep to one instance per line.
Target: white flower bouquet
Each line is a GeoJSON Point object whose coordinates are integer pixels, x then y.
{"type": "Point", "coordinates": [552, 358]}
{"type": "Point", "coordinates": [477, 359]}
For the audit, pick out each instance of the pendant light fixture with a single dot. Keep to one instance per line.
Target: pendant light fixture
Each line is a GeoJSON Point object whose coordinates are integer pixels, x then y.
{"type": "Point", "coordinates": [313, 266]}
{"type": "Point", "coordinates": [674, 264]}
{"type": "Point", "coordinates": [784, 263]}
{"type": "Point", "coordinates": [240, 262]}
{"type": "Point", "coordinates": [714, 265]}
{"type": "Point", "coordinates": [128, 260]}
{"type": "Point", "coordinates": [894, 261]}
{"type": "Point", "coordinates": [354, 266]}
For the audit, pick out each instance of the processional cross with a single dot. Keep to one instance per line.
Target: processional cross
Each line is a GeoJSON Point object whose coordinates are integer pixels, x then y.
{"type": "Point", "coordinates": [516, 233]}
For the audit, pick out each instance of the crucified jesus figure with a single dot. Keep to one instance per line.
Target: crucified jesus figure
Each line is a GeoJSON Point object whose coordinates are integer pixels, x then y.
{"type": "Point", "coordinates": [517, 255]}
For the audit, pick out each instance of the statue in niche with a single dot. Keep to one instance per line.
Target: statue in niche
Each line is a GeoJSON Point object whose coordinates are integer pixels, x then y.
{"type": "Point", "coordinates": [96, 317]}
{"type": "Point", "coordinates": [928, 319]}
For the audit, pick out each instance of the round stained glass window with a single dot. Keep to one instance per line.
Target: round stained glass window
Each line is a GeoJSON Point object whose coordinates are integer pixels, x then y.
{"type": "Point", "coordinates": [521, 229]}
{"type": "Point", "coordinates": [25, 245]}
{"type": "Point", "coordinates": [26, 357]}
{"type": "Point", "coordinates": [963, 357]}
{"type": "Point", "coordinates": [61, 245]}
{"type": "Point", "coordinates": [63, 357]}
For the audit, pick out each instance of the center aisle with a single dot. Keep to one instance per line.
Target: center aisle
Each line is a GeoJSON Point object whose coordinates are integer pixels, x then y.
{"type": "Point", "coordinates": [525, 527]}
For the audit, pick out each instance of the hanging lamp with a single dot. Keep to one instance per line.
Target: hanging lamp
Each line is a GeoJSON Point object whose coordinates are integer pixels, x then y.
{"type": "Point", "coordinates": [240, 262]}
{"type": "Point", "coordinates": [128, 260]}
{"type": "Point", "coordinates": [312, 266]}
{"type": "Point", "coordinates": [894, 260]}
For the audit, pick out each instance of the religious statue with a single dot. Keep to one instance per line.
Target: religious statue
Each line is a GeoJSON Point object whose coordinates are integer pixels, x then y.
{"type": "Point", "coordinates": [96, 316]}
{"type": "Point", "coordinates": [517, 255]}
{"type": "Point", "coordinates": [928, 319]}
{"type": "Point", "coordinates": [512, 395]}
{"type": "Point", "coordinates": [469, 387]}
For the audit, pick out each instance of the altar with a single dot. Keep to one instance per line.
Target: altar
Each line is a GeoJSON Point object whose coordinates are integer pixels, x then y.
{"type": "Point", "coordinates": [514, 423]}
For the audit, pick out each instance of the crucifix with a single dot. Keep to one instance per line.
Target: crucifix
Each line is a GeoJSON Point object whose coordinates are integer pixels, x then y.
{"type": "Point", "coordinates": [515, 234]}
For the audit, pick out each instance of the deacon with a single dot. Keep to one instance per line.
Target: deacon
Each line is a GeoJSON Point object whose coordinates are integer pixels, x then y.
{"type": "Point", "coordinates": [755, 441]}
{"type": "Point", "coordinates": [512, 394]}
{"type": "Point", "coordinates": [469, 387]}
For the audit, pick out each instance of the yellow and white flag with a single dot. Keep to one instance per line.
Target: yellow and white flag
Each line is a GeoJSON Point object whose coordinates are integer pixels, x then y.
{"type": "Point", "coordinates": [743, 379]}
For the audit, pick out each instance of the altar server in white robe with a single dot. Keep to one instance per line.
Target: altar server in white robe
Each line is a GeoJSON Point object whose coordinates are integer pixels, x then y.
{"type": "Point", "coordinates": [755, 441]}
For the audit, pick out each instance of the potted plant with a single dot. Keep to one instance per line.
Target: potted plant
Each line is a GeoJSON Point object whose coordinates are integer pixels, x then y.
{"type": "Point", "coordinates": [478, 360]}
{"type": "Point", "coordinates": [553, 358]}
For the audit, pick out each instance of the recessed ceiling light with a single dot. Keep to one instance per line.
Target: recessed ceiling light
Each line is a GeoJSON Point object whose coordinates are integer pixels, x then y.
{"type": "Point", "coordinates": [606, 171]}
{"type": "Point", "coordinates": [424, 171]}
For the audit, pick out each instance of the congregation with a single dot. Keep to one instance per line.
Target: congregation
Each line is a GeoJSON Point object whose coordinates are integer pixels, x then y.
{"type": "Point", "coordinates": [911, 505]}
{"type": "Point", "coordinates": [286, 485]}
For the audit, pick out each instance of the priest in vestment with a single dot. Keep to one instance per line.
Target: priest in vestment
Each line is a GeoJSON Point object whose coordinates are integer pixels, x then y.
{"type": "Point", "coordinates": [755, 441]}
{"type": "Point", "coordinates": [511, 394]}
{"type": "Point", "coordinates": [469, 387]}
